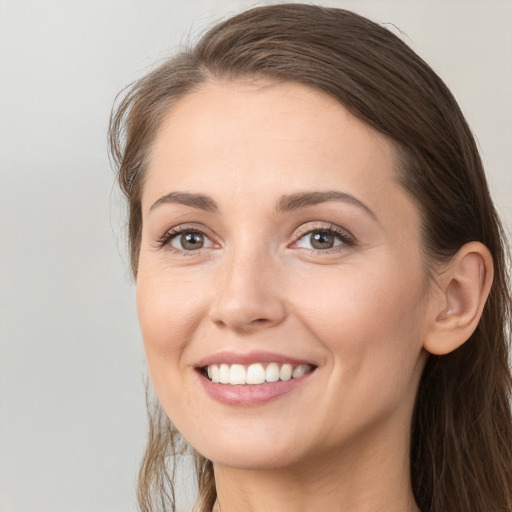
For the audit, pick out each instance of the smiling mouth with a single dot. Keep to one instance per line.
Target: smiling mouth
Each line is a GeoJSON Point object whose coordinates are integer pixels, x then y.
{"type": "Point", "coordinates": [254, 374]}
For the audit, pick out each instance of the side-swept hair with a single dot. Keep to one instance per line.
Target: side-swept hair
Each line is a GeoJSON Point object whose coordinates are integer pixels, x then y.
{"type": "Point", "coordinates": [461, 449]}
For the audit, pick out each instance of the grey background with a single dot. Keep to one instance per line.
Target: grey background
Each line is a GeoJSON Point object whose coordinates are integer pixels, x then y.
{"type": "Point", "coordinates": [72, 413]}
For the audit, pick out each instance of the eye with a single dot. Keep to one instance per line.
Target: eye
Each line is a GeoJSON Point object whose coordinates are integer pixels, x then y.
{"type": "Point", "coordinates": [189, 241]}
{"type": "Point", "coordinates": [322, 239]}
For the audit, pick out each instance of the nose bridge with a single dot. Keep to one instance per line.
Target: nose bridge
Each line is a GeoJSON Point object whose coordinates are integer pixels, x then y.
{"type": "Point", "coordinates": [248, 293]}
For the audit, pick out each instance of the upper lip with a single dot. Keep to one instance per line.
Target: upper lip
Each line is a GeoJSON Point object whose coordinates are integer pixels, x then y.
{"type": "Point", "coordinates": [249, 358]}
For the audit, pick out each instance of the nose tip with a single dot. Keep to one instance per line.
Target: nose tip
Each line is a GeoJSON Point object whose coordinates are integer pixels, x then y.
{"type": "Point", "coordinates": [248, 299]}
{"type": "Point", "coordinates": [245, 315]}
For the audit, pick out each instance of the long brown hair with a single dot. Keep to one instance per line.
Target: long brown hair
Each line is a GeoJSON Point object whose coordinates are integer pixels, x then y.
{"type": "Point", "coordinates": [461, 449]}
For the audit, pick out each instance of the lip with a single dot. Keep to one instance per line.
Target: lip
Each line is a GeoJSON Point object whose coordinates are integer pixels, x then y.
{"type": "Point", "coordinates": [249, 358]}
{"type": "Point", "coordinates": [250, 395]}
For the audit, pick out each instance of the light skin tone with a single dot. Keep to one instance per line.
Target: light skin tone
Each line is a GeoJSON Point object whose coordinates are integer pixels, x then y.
{"type": "Point", "coordinates": [301, 242]}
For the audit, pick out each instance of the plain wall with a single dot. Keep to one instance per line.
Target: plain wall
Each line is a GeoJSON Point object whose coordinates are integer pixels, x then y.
{"type": "Point", "coordinates": [72, 413]}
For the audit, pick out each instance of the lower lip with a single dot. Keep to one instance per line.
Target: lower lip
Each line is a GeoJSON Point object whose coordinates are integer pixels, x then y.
{"type": "Point", "coordinates": [250, 395]}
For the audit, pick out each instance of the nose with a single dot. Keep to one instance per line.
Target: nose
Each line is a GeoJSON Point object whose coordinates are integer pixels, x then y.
{"type": "Point", "coordinates": [249, 296]}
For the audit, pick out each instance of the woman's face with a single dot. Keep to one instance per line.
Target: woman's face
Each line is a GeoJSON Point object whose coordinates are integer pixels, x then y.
{"type": "Point", "coordinates": [276, 239]}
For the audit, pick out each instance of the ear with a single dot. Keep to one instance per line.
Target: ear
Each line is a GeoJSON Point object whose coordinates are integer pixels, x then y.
{"type": "Point", "coordinates": [457, 304]}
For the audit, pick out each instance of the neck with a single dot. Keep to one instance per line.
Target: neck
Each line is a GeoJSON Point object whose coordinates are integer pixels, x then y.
{"type": "Point", "coordinates": [365, 477]}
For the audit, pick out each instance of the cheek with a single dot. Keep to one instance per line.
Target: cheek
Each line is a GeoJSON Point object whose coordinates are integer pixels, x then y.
{"type": "Point", "coordinates": [169, 311]}
{"type": "Point", "coordinates": [361, 299]}
{"type": "Point", "coordinates": [371, 321]}
{"type": "Point", "coordinates": [371, 325]}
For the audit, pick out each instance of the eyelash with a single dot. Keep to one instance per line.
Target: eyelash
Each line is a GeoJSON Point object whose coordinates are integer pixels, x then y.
{"type": "Point", "coordinates": [346, 239]}
{"type": "Point", "coordinates": [165, 241]}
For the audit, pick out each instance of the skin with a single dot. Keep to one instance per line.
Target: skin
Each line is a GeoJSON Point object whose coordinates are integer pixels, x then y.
{"type": "Point", "coordinates": [359, 312]}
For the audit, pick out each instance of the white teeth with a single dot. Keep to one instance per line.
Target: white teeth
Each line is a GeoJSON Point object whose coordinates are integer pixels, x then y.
{"type": "Point", "coordinates": [300, 371]}
{"type": "Point", "coordinates": [224, 374]}
{"type": "Point", "coordinates": [256, 373]}
{"type": "Point", "coordinates": [237, 374]}
{"type": "Point", "coordinates": [272, 372]}
{"type": "Point", "coordinates": [286, 372]}
{"type": "Point", "coordinates": [215, 371]}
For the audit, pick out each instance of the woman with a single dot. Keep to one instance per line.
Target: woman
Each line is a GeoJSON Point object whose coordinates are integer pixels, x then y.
{"type": "Point", "coordinates": [321, 274]}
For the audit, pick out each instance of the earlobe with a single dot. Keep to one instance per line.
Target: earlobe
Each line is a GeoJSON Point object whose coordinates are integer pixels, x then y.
{"type": "Point", "coordinates": [464, 286]}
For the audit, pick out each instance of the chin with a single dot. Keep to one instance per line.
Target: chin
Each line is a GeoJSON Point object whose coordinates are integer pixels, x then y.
{"type": "Point", "coordinates": [250, 450]}
{"type": "Point", "coordinates": [253, 457]}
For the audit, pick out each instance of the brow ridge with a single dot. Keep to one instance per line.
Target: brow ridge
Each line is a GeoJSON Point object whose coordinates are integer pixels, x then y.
{"type": "Point", "coordinates": [199, 201]}
{"type": "Point", "coordinates": [305, 199]}
{"type": "Point", "coordinates": [285, 203]}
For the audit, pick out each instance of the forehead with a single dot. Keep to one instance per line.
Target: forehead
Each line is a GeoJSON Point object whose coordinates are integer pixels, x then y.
{"type": "Point", "coordinates": [229, 137]}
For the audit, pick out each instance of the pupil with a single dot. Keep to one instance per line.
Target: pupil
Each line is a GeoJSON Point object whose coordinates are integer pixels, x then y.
{"type": "Point", "coordinates": [192, 241]}
{"type": "Point", "coordinates": [322, 240]}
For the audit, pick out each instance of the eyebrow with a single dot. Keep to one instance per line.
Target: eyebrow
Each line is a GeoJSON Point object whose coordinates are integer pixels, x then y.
{"type": "Point", "coordinates": [199, 201]}
{"type": "Point", "coordinates": [285, 203]}
{"type": "Point", "coordinates": [304, 199]}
